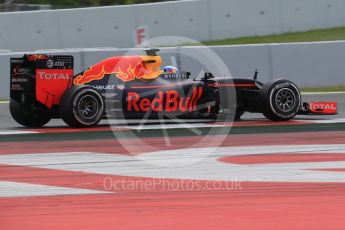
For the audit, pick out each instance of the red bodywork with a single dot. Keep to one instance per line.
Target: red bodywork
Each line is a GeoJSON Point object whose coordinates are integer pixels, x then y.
{"type": "Point", "coordinates": [51, 84]}
{"type": "Point", "coordinates": [323, 108]}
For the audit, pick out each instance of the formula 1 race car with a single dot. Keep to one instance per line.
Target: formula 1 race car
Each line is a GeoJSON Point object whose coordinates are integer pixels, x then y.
{"type": "Point", "coordinates": [44, 87]}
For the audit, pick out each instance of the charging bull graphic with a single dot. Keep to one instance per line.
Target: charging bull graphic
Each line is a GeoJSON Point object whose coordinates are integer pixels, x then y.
{"type": "Point", "coordinates": [35, 57]}
{"type": "Point", "coordinates": [126, 68]}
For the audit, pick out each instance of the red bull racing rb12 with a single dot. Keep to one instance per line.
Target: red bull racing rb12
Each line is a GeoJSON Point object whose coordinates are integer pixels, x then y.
{"type": "Point", "coordinates": [44, 87]}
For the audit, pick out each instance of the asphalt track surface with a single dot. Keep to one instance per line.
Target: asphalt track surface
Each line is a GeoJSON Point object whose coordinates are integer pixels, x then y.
{"type": "Point", "coordinates": [256, 175]}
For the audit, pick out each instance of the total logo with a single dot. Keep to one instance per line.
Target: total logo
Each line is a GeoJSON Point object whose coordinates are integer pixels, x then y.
{"type": "Point", "coordinates": [53, 76]}
{"type": "Point", "coordinates": [323, 107]}
{"type": "Point", "coordinates": [168, 101]}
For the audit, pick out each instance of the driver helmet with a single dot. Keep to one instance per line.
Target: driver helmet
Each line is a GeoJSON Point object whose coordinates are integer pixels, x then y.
{"type": "Point", "coordinates": [171, 69]}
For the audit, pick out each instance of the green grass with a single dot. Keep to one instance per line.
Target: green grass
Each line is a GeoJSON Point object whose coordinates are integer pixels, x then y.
{"type": "Point", "coordinates": [340, 88]}
{"type": "Point", "coordinates": [333, 34]}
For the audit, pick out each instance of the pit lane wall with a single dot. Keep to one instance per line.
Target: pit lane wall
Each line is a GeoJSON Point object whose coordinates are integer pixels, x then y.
{"type": "Point", "coordinates": [307, 64]}
{"type": "Point", "coordinates": [196, 19]}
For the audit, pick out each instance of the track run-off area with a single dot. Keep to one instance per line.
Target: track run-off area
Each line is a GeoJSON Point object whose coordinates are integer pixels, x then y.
{"type": "Point", "coordinates": [251, 174]}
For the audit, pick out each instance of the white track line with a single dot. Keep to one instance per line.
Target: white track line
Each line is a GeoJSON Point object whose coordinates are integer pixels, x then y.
{"type": "Point", "coordinates": [321, 93]}
{"type": "Point", "coordinates": [151, 121]}
{"type": "Point", "coordinates": [171, 126]}
{"type": "Point", "coordinates": [15, 189]}
{"type": "Point", "coordinates": [333, 121]}
{"type": "Point", "coordinates": [15, 132]}
{"type": "Point", "coordinates": [4, 102]}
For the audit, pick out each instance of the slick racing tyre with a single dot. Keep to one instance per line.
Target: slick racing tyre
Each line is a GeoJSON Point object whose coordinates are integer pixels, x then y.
{"type": "Point", "coordinates": [29, 115]}
{"type": "Point", "coordinates": [281, 100]}
{"type": "Point", "coordinates": [81, 107]}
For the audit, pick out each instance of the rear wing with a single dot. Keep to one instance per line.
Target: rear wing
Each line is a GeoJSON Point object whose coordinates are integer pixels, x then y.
{"type": "Point", "coordinates": [40, 78]}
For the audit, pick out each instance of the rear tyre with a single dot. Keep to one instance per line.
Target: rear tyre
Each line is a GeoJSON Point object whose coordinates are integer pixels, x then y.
{"type": "Point", "coordinates": [81, 107]}
{"type": "Point", "coordinates": [281, 100]}
{"type": "Point", "coordinates": [32, 116]}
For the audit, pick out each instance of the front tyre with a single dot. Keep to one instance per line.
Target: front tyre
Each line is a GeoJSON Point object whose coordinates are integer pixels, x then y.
{"type": "Point", "coordinates": [281, 100]}
{"type": "Point", "coordinates": [32, 116]}
{"type": "Point", "coordinates": [81, 107]}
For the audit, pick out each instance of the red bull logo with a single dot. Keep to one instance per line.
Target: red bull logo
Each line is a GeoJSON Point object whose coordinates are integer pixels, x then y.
{"type": "Point", "coordinates": [169, 101]}
{"type": "Point", "coordinates": [126, 68]}
{"type": "Point", "coordinates": [35, 57]}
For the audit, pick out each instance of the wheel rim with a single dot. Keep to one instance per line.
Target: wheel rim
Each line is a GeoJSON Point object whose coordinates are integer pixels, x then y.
{"type": "Point", "coordinates": [88, 107]}
{"type": "Point", "coordinates": [285, 100]}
